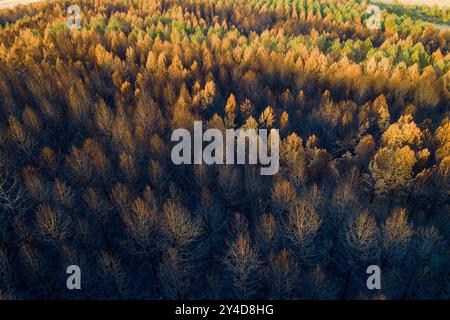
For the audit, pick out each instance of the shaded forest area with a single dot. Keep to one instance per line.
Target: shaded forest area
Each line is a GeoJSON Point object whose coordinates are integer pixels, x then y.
{"type": "Point", "coordinates": [86, 177]}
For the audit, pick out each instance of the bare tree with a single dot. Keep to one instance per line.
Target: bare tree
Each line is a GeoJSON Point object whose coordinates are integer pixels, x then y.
{"type": "Point", "coordinates": [302, 231]}
{"type": "Point", "coordinates": [14, 200]}
{"type": "Point", "coordinates": [243, 265]}
{"type": "Point", "coordinates": [282, 275]}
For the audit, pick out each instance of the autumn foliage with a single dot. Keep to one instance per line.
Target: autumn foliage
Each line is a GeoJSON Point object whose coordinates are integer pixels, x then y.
{"type": "Point", "coordinates": [86, 177]}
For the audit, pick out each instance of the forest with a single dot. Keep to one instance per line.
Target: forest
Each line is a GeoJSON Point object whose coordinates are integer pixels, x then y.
{"type": "Point", "coordinates": [86, 177]}
{"type": "Point", "coordinates": [425, 13]}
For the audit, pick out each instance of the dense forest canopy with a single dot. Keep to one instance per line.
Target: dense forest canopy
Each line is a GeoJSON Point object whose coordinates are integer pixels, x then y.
{"type": "Point", "coordinates": [86, 177]}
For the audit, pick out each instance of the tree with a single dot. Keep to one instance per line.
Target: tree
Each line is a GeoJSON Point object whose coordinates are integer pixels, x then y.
{"type": "Point", "coordinates": [359, 247]}
{"type": "Point", "coordinates": [282, 275]}
{"type": "Point", "coordinates": [178, 227]}
{"type": "Point", "coordinates": [283, 197]}
{"type": "Point", "coordinates": [292, 158]}
{"type": "Point", "coordinates": [142, 227]}
{"type": "Point", "coordinates": [268, 235]}
{"type": "Point", "coordinates": [21, 136]}
{"type": "Point", "coordinates": [365, 150]}
{"type": "Point", "coordinates": [242, 263]}
{"type": "Point", "coordinates": [267, 118]}
{"type": "Point", "coordinates": [381, 107]}
{"type": "Point", "coordinates": [229, 181]}
{"type": "Point", "coordinates": [392, 170]}
{"type": "Point", "coordinates": [14, 200]}
{"type": "Point", "coordinates": [114, 278]}
{"type": "Point", "coordinates": [230, 111]}
{"type": "Point", "coordinates": [397, 234]}
{"type": "Point", "coordinates": [403, 132]}
{"type": "Point", "coordinates": [53, 226]}
{"type": "Point", "coordinates": [302, 231]}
